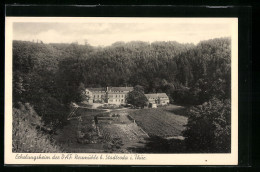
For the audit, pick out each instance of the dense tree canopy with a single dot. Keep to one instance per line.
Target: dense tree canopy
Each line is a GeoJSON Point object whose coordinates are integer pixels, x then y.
{"type": "Point", "coordinates": [50, 76]}
{"type": "Point", "coordinates": [209, 127]}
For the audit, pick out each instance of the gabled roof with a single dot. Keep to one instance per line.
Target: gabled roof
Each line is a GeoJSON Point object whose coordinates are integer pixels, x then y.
{"type": "Point", "coordinates": [156, 95]}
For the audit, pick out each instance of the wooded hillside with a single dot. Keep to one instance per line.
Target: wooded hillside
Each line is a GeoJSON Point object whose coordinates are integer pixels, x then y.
{"type": "Point", "coordinates": [50, 76]}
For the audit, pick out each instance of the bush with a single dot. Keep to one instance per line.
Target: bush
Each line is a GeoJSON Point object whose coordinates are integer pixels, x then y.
{"type": "Point", "coordinates": [209, 127]}
{"type": "Point", "coordinates": [26, 138]}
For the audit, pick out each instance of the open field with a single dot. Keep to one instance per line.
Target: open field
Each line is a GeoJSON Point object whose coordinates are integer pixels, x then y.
{"type": "Point", "coordinates": [161, 122]}
{"type": "Point", "coordinates": [115, 131]}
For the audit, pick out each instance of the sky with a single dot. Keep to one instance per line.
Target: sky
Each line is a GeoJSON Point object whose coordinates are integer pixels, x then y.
{"type": "Point", "coordinates": [106, 33]}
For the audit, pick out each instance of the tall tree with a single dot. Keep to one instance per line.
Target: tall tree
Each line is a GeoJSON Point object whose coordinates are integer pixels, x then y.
{"type": "Point", "coordinates": [136, 98]}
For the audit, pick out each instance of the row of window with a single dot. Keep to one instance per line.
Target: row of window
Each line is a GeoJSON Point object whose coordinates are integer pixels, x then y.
{"type": "Point", "coordinates": [119, 96]}
{"type": "Point", "coordinates": [116, 100]}
{"type": "Point", "coordinates": [116, 96]}
{"type": "Point", "coordinates": [97, 96]}
{"type": "Point", "coordinates": [119, 91]}
{"type": "Point", "coordinates": [159, 98]}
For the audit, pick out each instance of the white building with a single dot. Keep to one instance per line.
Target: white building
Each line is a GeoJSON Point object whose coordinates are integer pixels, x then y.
{"type": "Point", "coordinates": [111, 95]}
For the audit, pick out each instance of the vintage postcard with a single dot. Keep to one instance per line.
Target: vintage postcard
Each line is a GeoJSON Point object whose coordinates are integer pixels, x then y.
{"type": "Point", "coordinates": [121, 91]}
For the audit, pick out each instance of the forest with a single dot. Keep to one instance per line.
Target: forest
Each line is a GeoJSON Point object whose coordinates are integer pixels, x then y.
{"type": "Point", "coordinates": [48, 77]}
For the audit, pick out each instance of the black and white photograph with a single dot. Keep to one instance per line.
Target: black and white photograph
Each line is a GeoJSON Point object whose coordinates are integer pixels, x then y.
{"type": "Point", "coordinates": [122, 86]}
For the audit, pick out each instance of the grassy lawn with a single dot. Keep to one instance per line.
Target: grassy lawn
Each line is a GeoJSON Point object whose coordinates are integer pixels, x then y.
{"type": "Point", "coordinates": [163, 122]}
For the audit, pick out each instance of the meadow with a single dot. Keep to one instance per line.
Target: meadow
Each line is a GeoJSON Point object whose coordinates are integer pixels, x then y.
{"type": "Point", "coordinates": [163, 122]}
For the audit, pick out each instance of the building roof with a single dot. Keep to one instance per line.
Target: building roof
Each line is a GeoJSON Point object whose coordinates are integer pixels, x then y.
{"type": "Point", "coordinates": [97, 89]}
{"type": "Point", "coordinates": [156, 95]}
{"type": "Point", "coordinates": [120, 88]}
{"type": "Point", "coordinates": [111, 89]}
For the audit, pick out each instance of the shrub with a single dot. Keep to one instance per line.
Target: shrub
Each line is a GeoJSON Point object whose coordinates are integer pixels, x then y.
{"type": "Point", "coordinates": [26, 138]}
{"type": "Point", "coordinates": [209, 127]}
